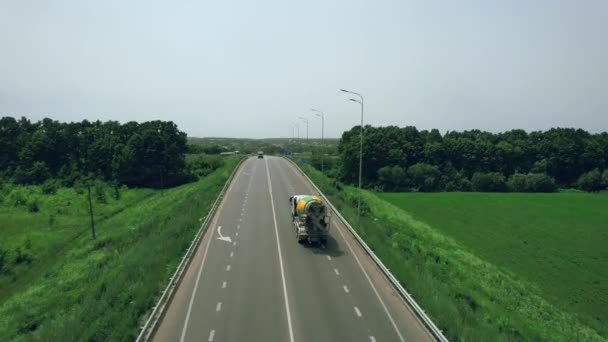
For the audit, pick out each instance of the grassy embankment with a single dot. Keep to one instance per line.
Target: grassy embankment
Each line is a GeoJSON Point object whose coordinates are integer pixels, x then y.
{"type": "Point", "coordinates": [67, 286]}
{"type": "Point", "coordinates": [469, 267]}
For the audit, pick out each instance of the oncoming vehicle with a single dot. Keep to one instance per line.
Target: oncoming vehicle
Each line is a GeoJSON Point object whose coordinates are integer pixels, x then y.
{"type": "Point", "coordinates": [260, 154]}
{"type": "Point", "coordinates": [310, 218]}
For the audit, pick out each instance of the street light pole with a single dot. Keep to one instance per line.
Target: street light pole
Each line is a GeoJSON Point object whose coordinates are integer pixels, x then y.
{"type": "Point", "coordinates": [360, 149]}
{"type": "Point", "coordinates": [322, 115]}
{"type": "Point", "coordinates": [306, 121]}
{"type": "Point", "coordinates": [297, 127]}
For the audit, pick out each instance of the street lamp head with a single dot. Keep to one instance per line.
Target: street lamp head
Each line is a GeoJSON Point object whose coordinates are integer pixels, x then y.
{"type": "Point", "coordinates": [318, 114]}
{"type": "Point", "coordinates": [344, 90]}
{"type": "Point", "coordinates": [355, 100]}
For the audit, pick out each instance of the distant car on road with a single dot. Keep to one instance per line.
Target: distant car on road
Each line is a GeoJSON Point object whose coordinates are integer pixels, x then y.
{"type": "Point", "coordinates": [260, 154]}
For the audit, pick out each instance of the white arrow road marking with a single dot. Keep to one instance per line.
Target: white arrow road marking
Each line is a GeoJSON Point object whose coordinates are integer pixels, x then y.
{"type": "Point", "coordinates": [221, 237]}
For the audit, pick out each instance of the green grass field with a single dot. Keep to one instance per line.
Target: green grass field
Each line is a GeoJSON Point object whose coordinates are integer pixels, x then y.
{"type": "Point", "coordinates": [558, 242]}
{"type": "Point", "coordinates": [67, 286]}
{"type": "Point", "coordinates": [464, 285]}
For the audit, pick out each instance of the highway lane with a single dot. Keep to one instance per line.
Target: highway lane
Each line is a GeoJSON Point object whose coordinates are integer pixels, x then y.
{"type": "Point", "coordinates": [254, 282]}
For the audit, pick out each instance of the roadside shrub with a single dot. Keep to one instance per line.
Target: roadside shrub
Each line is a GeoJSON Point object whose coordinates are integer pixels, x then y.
{"type": "Point", "coordinates": [328, 162]}
{"type": "Point", "coordinates": [590, 181]}
{"type": "Point", "coordinates": [540, 182]}
{"type": "Point", "coordinates": [518, 183]}
{"type": "Point", "coordinates": [49, 187]}
{"type": "Point", "coordinates": [489, 182]}
{"type": "Point", "coordinates": [18, 196]}
{"type": "Point", "coordinates": [100, 192]}
{"type": "Point", "coordinates": [462, 184]}
{"type": "Point", "coordinates": [22, 257]}
{"type": "Point", "coordinates": [35, 174]}
{"type": "Point", "coordinates": [33, 206]}
{"type": "Point", "coordinates": [3, 255]}
{"type": "Point", "coordinates": [391, 178]}
{"type": "Point", "coordinates": [116, 190]}
{"type": "Point", "coordinates": [424, 177]}
{"type": "Point", "coordinates": [532, 182]}
{"type": "Point", "coordinates": [202, 165]}
{"type": "Point", "coordinates": [605, 179]}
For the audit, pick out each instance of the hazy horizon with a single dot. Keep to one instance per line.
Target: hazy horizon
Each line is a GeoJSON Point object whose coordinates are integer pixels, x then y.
{"type": "Point", "coordinates": [244, 69]}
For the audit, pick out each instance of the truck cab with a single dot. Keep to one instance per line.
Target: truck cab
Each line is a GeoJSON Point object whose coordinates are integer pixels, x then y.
{"type": "Point", "coordinates": [260, 155]}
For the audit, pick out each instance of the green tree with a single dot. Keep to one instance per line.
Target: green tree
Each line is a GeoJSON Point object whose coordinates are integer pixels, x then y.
{"type": "Point", "coordinates": [489, 182]}
{"type": "Point", "coordinates": [590, 181]}
{"type": "Point", "coordinates": [424, 177]}
{"type": "Point", "coordinates": [391, 178]}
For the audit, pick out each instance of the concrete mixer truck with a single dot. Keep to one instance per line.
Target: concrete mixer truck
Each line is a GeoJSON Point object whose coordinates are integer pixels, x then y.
{"type": "Point", "coordinates": [310, 218]}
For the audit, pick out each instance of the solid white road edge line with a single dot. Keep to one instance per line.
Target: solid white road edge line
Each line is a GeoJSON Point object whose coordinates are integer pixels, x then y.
{"type": "Point", "coordinates": [276, 230]}
{"type": "Point", "coordinates": [390, 317]}
{"type": "Point", "coordinates": [200, 270]}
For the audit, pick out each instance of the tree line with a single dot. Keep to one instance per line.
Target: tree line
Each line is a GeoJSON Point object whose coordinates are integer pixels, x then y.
{"type": "Point", "coordinates": [397, 158]}
{"type": "Point", "coordinates": [148, 154]}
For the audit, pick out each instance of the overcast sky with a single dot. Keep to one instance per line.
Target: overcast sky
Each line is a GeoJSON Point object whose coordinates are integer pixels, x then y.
{"type": "Point", "coordinates": [246, 68]}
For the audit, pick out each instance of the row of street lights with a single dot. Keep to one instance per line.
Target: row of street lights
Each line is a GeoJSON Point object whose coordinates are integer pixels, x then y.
{"type": "Point", "coordinates": [320, 114]}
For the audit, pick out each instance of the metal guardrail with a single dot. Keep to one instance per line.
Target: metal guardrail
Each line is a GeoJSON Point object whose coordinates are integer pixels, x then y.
{"type": "Point", "coordinates": [152, 322]}
{"type": "Point", "coordinates": [438, 334]}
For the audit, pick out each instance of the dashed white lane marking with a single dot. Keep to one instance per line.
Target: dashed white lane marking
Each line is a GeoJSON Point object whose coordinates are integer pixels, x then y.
{"type": "Point", "coordinates": [224, 285]}
{"type": "Point", "coordinates": [227, 267]}
{"type": "Point", "coordinates": [336, 271]}
{"type": "Point", "coordinates": [234, 243]}
{"type": "Point", "coordinates": [328, 257]}
{"type": "Point", "coordinates": [236, 234]}
{"type": "Point", "coordinates": [241, 219]}
{"type": "Point", "coordinates": [195, 289]}
{"type": "Point", "coordinates": [231, 254]}
{"type": "Point", "coordinates": [372, 339]}
{"type": "Point", "coordinates": [238, 226]}
{"type": "Point", "coordinates": [218, 307]}
{"type": "Point", "coordinates": [211, 335]}
{"type": "Point", "coordinates": [345, 288]}
{"type": "Point", "coordinates": [358, 312]}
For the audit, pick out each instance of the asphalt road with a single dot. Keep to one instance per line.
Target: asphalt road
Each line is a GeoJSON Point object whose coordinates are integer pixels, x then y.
{"type": "Point", "coordinates": [250, 280]}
